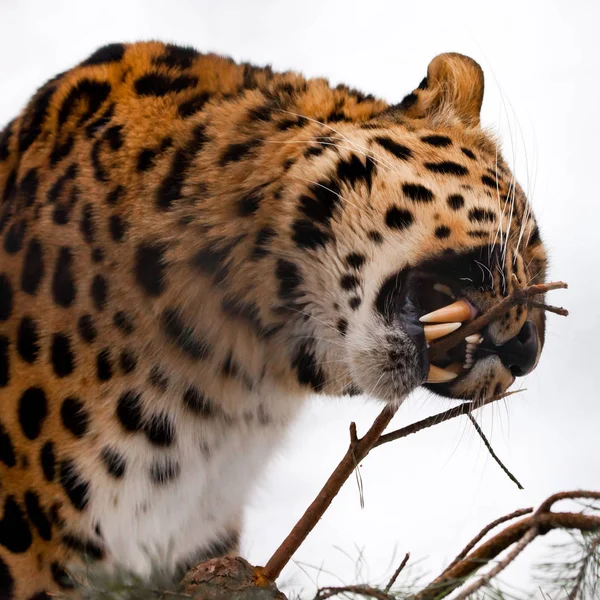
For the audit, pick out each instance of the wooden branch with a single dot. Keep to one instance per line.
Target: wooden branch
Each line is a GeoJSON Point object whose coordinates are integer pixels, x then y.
{"type": "Point", "coordinates": [492, 453]}
{"type": "Point", "coordinates": [520, 296]}
{"type": "Point", "coordinates": [541, 522]}
{"type": "Point", "coordinates": [362, 590]}
{"type": "Point", "coordinates": [358, 449]}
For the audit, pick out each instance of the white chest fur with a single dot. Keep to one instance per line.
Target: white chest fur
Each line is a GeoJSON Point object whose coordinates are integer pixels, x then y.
{"type": "Point", "coordinates": [209, 472]}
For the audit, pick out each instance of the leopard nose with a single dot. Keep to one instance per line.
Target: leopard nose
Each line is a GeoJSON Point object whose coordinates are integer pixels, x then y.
{"type": "Point", "coordinates": [519, 354]}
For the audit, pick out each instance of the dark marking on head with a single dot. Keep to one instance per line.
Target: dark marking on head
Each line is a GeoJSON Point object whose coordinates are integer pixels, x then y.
{"type": "Point", "coordinates": [63, 283]}
{"type": "Point", "coordinates": [308, 370]}
{"type": "Point", "coordinates": [149, 267]}
{"type": "Point", "coordinates": [176, 57]}
{"type": "Point", "coordinates": [183, 336]}
{"type": "Point", "coordinates": [236, 152]}
{"type": "Point", "coordinates": [482, 215]}
{"type": "Point", "coordinates": [104, 365]}
{"type": "Point", "coordinates": [89, 550]}
{"type": "Point", "coordinates": [129, 411]}
{"type": "Point", "coordinates": [4, 361]}
{"type": "Point", "coordinates": [263, 238]}
{"type": "Point", "coordinates": [158, 379]}
{"type": "Point", "coordinates": [6, 297]}
{"type": "Point", "coordinates": [127, 361]}
{"type": "Point", "coordinates": [193, 105]}
{"type": "Point", "coordinates": [442, 232]}
{"type": "Point", "coordinates": [13, 238]}
{"type": "Point", "coordinates": [469, 153]}
{"type": "Point", "coordinates": [86, 328]}
{"type": "Point", "coordinates": [440, 141]}
{"type": "Point", "coordinates": [160, 430]}
{"type": "Point", "coordinates": [489, 181]}
{"type": "Point", "coordinates": [33, 268]}
{"type": "Point", "coordinates": [7, 450]}
{"type": "Point", "coordinates": [86, 93]}
{"type": "Point", "coordinates": [37, 516]}
{"type": "Point", "coordinates": [197, 402]}
{"type": "Point", "coordinates": [447, 167]}
{"type": "Point", "coordinates": [155, 84]}
{"type": "Point", "coordinates": [34, 118]}
{"type": "Point", "coordinates": [398, 150]}
{"type": "Point", "coordinates": [456, 201]}
{"type": "Point", "coordinates": [99, 291]}
{"type": "Point", "coordinates": [417, 192]}
{"type": "Point", "coordinates": [164, 471]}
{"type": "Point", "coordinates": [124, 322]}
{"type": "Point", "coordinates": [74, 416]}
{"type": "Point", "coordinates": [105, 55]}
{"type": "Point", "coordinates": [398, 218]}
{"type": "Point", "coordinates": [342, 326]}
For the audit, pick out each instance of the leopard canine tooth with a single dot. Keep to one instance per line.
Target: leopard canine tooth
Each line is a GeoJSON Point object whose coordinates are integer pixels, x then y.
{"type": "Point", "coordinates": [439, 375]}
{"type": "Point", "coordinates": [457, 311]}
{"type": "Point", "coordinates": [444, 289]}
{"type": "Point", "coordinates": [433, 332]}
{"type": "Point", "coordinates": [476, 338]}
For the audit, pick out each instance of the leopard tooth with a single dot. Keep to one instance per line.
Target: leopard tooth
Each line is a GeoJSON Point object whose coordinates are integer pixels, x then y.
{"type": "Point", "coordinates": [475, 338]}
{"type": "Point", "coordinates": [433, 332]}
{"type": "Point", "coordinates": [439, 375]}
{"type": "Point", "coordinates": [457, 311]}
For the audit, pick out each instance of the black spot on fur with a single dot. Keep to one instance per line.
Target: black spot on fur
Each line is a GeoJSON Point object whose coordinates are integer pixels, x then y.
{"type": "Point", "coordinates": [290, 279]}
{"type": "Point", "coordinates": [9, 192]}
{"type": "Point", "coordinates": [342, 326]}
{"type": "Point", "coordinates": [28, 188]}
{"type": "Point", "coordinates": [308, 235]}
{"type": "Point", "coordinates": [60, 576]}
{"type": "Point", "coordinates": [99, 291]}
{"type": "Point", "coordinates": [355, 260]}
{"type": "Point", "coordinates": [127, 361]}
{"type": "Point", "coordinates": [5, 137]}
{"type": "Point", "coordinates": [212, 260]}
{"type": "Point", "coordinates": [86, 93]}
{"type": "Point", "coordinates": [489, 181]}
{"type": "Point", "coordinates": [33, 410]}
{"type": "Point", "coordinates": [535, 237]}
{"type": "Point", "coordinates": [249, 203]}
{"type": "Point", "coordinates": [160, 431]}
{"type": "Point", "coordinates": [55, 193]}
{"type": "Point", "coordinates": [34, 118]}
{"type": "Point", "coordinates": [107, 54]}
{"type": "Point", "coordinates": [33, 268]}
{"type": "Point", "coordinates": [63, 283]}
{"type": "Point", "coordinates": [103, 120]}
{"type": "Point", "coordinates": [456, 201]}
{"type": "Point", "coordinates": [398, 150]}
{"type": "Point", "coordinates": [13, 238]}
{"type": "Point", "coordinates": [478, 233]}
{"type": "Point", "coordinates": [482, 215]}
{"type": "Point", "coordinates": [6, 297]}
{"type": "Point", "coordinates": [145, 159]}
{"type": "Point", "coordinates": [164, 471]}
{"type": "Point", "coordinates": [354, 303]}
{"type": "Point", "coordinates": [103, 365]}
{"type": "Point", "coordinates": [114, 462]}
{"type": "Point", "coordinates": [417, 192]}
{"type": "Point", "coordinates": [28, 340]}
{"type": "Point", "coordinates": [193, 105]}
{"type": "Point", "coordinates": [176, 57]}
{"type": "Point", "coordinates": [308, 371]}
{"type": "Point", "coordinates": [48, 461]}
{"type": "Point", "coordinates": [198, 403]}
{"type": "Point", "coordinates": [114, 137]}
{"type": "Point", "coordinates": [442, 232]}
{"type": "Point", "coordinates": [447, 167]}
{"type": "Point", "coordinates": [170, 189]}
{"type": "Point", "coordinates": [349, 282]}
{"type": "Point", "coordinates": [15, 534]}
{"type": "Point", "coordinates": [398, 218]}
{"type": "Point", "coordinates": [115, 195]}
{"type": "Point", "coordinates": [63, 361]}
{"type": "Point", "coordinates": [149, 267]}
{"type": "Point", "coordinates": [74, 416]}
{"type": "Point", "coordinates": [87, 225]}
{"type": "Point", "coordinates": [440, 141]}
{"type": "Point", "coordinates": [86, 328]}
{"type": "Point", "coordinates": [263, 237]}
{"type": "Point", "coordinates": [123, 322]}
{"type": "Point", "coordinates": [37, 516]}
{"type": "Point", "coordinates": [4, 361]}
{"type": "Point", "coordinates": [155, 84]}
{"type": "Point", "coordinates": [158, 379]}
{"type": "Point", "coordinates": [61, 150]}
{"type": "Point", "coordinates": [183, 336]}
{"type": "Point", "coordinates": [353, 171]}
{"type": "Point", "coordinates": [468, 153]}
{"type": "Point", "coordinates": [7, 450]}
{"type": "Point", "coordinates": [75, 487]}
{"type": "Point", "coordinates": [236, 152]}
{"type": "Point", "coordinates": [129, 411]}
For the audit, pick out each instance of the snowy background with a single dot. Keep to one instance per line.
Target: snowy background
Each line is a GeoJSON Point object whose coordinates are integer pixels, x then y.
{"type": "Point", "coordinates": [431, 493]}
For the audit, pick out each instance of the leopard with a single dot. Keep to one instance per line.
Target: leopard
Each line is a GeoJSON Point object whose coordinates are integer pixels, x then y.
{"type": "Point", "coordinates": [191, 248]}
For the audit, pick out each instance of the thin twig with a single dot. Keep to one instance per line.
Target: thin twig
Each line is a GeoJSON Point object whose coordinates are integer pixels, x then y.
{"type": "Point", "coordinates": [492, 453]}
{"type": "Point", "coordinates": [397, 572]}
{"type": "Point", "coordinates": [557, 310]}
{"type": "Point", "coordinates": [513, 515]}
{"type": "Point", "coordinates": [519, 296]}
{"type": "Point", "coordinates": [363, 590]}
{"type": "Point", "coordinates": [584, 567]}
{"type": "Point", "coordinates": [355, 453]}
{"type": "Point", "coordinates": [462, 409]}
{"type": "Point", "coordinates": [485, 579]}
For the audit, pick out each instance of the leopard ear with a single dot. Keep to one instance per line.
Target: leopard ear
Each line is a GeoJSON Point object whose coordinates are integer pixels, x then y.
{"type": "Point", "coordinates": [453, 89]}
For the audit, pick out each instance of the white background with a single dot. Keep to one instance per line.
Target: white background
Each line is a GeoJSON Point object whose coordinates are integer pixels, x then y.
{"type": "Point", "coordinates": [428, 494]}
